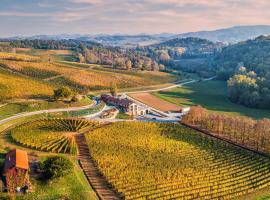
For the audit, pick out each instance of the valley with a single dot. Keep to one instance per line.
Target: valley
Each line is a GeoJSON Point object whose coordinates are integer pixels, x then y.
{"type": "Point", "coordinates": [105, 118]}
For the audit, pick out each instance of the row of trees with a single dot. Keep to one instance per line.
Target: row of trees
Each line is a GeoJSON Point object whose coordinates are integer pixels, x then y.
{"type": "Point", "coordinates": [253, 134]}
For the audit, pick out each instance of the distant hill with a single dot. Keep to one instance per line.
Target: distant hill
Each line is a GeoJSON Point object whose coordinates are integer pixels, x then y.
{"type": "Point", "coordinates": [252, 54]}
{"type": "Point", "coordinates": [230, 35]}
{"type": "Point", "coordinates": [227, 35]}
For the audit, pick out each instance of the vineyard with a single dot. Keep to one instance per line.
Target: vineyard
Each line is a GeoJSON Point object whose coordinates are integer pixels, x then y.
{"type": "Point", "coordinates": [83, 79]}
{"type": "Point", "coordinates": [17, 57]}
{"type": "Point", "coordinates": [13, 86]}
{"type": "Point", "coordinates": [168, 161]}
{"type": "Point", "coordinates": [52, 135]}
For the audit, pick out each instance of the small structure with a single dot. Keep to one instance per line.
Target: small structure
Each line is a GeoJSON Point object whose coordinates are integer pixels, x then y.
{"type": "Point", "coordinates": [125, 105]}
{"type": "Point", "coordinates": [16, 171]}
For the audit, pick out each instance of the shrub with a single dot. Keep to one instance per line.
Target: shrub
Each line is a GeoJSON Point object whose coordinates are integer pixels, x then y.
{"type": "Point", "coordinates": [63, 92]}
{"type": "Point", "coordinates": [56, 166]}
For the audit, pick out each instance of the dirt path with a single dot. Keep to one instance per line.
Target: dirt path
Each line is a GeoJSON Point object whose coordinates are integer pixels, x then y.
{"type": "Point", "coordinates": [98, 182]}
{"type": "Point", "coordinates": [53, 77]}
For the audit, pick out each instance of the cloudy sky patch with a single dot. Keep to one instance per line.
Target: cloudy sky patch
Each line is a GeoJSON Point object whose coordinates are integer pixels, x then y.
{"type": "Point", "coordinates": [31, 17]}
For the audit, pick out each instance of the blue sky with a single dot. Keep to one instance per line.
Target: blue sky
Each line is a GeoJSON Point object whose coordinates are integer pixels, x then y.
{"type": "Point", "coordinates": [32, 17]}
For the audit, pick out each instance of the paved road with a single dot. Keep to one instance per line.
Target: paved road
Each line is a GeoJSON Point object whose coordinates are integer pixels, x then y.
{"type": "Point", "coordinates": [170, 87]}
{"type": "Point", "coordinates": [162, 89]}
{"type": "Point", "coordinates": [26, 114]}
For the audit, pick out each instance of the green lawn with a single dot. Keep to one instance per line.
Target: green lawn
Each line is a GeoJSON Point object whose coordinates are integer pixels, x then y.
{"type": "Point", "coordinates": [122, 115]}
{"type": "Point", "coordinates": [212, 95]}
{"type": "Point", "coordinates": [73, 186]}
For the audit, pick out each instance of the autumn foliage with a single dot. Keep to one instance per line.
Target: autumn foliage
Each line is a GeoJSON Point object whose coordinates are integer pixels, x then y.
{"type": "Point", "coordinates": [245, 131]}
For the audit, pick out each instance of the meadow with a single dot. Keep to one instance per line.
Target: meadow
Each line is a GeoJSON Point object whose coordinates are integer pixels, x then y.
{"type": "Point", "coordinates": [167, 161]}
{"type": "Point", "coordinates": [213, 95]}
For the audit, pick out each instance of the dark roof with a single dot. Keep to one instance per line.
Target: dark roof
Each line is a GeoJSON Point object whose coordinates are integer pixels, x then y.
{"type": "Point", "coordinates": [120, 102]}
{"type": "Point", "coordinates": [16, 158]}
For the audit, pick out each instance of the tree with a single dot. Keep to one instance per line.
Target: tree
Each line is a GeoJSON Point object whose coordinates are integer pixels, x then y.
{"type": "Point", "coordinates": [62, 93]}
{"type": "Point", "coordinates": [128, 65]}
{"type": "Point", "coordinates": [56, 166]}
{"type": "Point", "coordinates": [113, 89]}
{"type": "Point", "coordinates": [81, 58]}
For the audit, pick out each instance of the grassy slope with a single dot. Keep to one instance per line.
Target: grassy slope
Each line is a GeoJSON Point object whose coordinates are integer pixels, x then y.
{"type": "Point", "coordinates": [28, 106]}
{"type": "Point", "coordinates": [73, 186]}
{"type": "Point", "coordinates": [211, 95]}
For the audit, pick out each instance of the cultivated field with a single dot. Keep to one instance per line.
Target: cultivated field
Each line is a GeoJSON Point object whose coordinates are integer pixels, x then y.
{"type": "Point", "coordinates": [72, 186]}
{"type": "Point", "coordinates": [212, 95]}
{"type": "Point", "coordinates": [168, 161]}
{"type": "Point", "coordinates": [84, 79]}
{"type": "Point", "coordinates": [17, 57]}
{"type": "Point", "coordinates": [13, 86]}
{"type": "Point", "coordinates": [155, 102]}
{"type": "Point", "coordinates": [52, 135]}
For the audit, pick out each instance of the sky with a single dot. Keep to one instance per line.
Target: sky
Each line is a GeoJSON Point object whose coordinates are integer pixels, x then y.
{"type": "Point", "coordinates": [35, 17]}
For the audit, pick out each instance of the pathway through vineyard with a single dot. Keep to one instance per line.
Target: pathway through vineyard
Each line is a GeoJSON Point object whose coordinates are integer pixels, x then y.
{"type": "Point", "coordinates": [98, 182]}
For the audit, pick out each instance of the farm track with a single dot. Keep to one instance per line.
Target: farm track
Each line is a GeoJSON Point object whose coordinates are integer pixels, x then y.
{"type": "Point", "coordinates": [104, 190]}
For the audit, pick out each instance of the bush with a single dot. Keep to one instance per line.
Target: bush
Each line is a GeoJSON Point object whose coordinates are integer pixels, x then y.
{"type": "Point", "coordinates": [56, 166]}
{"type": "Point", "coordinates": [63, 92]}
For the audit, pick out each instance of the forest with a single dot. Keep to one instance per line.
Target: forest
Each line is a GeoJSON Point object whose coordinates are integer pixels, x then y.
{"type": "Point", "coordinates": [246, 67]}
{"type": "Point", "coordinates": [94, 53]}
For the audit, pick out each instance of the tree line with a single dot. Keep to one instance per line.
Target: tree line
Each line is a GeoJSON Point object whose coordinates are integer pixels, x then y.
{"type": "Point", "coordinates": [95, 53]}
{"type": "Point", "coordinates": [245, 131]}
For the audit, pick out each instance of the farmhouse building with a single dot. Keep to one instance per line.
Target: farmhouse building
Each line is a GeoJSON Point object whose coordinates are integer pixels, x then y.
{"type": "Point", "coordinates": [125, 105]}
{"type": "Point", "coordinates": [16, 170]}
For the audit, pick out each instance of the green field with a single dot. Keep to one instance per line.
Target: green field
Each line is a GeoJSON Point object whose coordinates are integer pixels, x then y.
{"type": "Point", "coordinates": [168, 161]}
{"type": "Point", "coordinates": [212, 95]}
{"type": "Point", "coordinates": [73, 186]}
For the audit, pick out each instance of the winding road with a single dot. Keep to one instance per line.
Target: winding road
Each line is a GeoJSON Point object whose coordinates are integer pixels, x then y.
{"type": "Point", "coordinates": [27, 114]}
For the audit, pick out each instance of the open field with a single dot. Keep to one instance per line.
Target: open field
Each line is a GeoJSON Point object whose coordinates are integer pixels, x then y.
{"type": "Point", "coordinates": [211, 95]}
{"type": "Point", "coordinates": [168, 161]}
{"type": "Point", "coordinates": [48, 55]}
{"type": "Point", "coordinates": [155, 102]}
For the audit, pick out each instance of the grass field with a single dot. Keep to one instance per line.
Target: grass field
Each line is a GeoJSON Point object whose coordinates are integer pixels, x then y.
{"type": "Point", "coordinates": [167, 161]}
{"type": "Point", "coordinates": [212, 95]}
{"type": "Point", "coordinates": [73, 186]}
